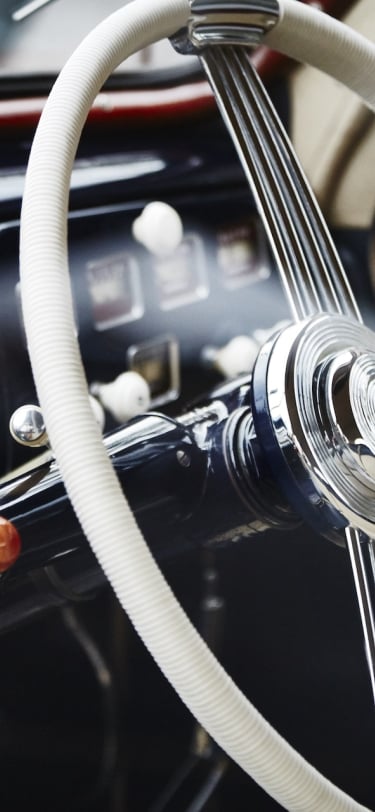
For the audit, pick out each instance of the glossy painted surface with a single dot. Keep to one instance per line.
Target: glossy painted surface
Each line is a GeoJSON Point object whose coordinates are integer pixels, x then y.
{"type": "Point", "coordinates": [146, 457]}
{"type": "Point", "coordinates": [200, 481]}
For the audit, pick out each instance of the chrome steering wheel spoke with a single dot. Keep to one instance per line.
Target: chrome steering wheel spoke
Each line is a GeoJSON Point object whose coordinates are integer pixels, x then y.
{"type": "Point", "coordinates": [362, 558]}
{"type": "Point", "coordinates": [309, 266]}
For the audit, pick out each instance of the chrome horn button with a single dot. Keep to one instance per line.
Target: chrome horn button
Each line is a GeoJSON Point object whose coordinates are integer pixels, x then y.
{"type": "Point", "coordinates": [362, 398]}
{"type": "Point", "coordinates": [314, 413]}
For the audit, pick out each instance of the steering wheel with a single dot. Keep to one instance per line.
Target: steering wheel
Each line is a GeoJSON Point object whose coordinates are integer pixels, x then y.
{"type": "Point", "coordinates": [313, 388]}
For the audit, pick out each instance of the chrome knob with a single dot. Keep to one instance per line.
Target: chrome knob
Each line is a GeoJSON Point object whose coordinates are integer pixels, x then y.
{"type": "Point", "coordinates": [27, 426]}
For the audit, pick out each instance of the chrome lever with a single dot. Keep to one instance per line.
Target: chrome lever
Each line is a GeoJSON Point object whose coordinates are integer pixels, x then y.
{"type": "Point", "coordinates": [361, 554]}
{"type": "Point", "coordinates": [308, 263]}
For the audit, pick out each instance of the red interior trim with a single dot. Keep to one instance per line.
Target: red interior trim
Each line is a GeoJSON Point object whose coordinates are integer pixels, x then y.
{"type": "Point", "coordinates": [141, 105]}
{"type": "Point", "coordinates": [156, 105]}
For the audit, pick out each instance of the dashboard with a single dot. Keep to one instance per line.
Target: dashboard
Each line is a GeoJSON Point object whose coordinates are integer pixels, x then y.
{"type": "Point", "coordinates": [135, 310]}
{"type": "Point", "coordinates": [164, 317]}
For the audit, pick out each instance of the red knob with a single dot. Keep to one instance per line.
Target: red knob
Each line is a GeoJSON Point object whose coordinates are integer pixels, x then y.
{"type": "Point", "coordinates": [10, 544]}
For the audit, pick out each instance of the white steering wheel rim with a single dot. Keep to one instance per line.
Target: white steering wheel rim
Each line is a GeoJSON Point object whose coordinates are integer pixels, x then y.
{"type": "Point", "coordinates": [90, 480]}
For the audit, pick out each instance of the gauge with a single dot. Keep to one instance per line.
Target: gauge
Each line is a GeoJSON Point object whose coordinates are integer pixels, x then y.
{"type": "Point", "coordinates": [181, 276]}
{"type": "Point", "coordinates": [115, 290]}
{"type": "Point", "coordinates": [41, 37]}
{"type": "Point", "coordinates": [242, 254]}
{"type": "Point", "coordinates": [158, 363]}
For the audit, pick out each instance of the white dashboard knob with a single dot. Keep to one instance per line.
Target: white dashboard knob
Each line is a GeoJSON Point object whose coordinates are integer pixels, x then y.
{"type": "Point", "coordinates": [125, 397]}
{"type": "Point", "coordinates": [263, 334]}
{"type": "Point", "coordinates": [235, 358]}
{"type": "Point", "coordinates": [98, 411]}
{"type": "Point", "coordinates": [159, 228]}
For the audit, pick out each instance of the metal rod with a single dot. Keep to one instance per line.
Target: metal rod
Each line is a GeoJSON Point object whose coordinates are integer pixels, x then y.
{"type": "Point", "coordinates": [363, 591]}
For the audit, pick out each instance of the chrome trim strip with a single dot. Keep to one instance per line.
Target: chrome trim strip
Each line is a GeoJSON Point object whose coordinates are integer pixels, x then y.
{"type": "Point", "coordinates": [221, 22]}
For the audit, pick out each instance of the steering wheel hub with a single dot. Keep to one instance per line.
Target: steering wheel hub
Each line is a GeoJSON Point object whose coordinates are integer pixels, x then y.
{"type": "Point", "coordinates": [314, 412]}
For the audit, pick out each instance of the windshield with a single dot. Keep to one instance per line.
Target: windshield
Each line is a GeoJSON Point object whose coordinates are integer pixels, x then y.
{"type": "Point", "coordinates": [38, 36]}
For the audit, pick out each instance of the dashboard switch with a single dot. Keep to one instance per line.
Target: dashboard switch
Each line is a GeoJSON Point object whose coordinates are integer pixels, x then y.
{"type": "Point", "coordinates": [158, 228]}
{"type": "Point", "coordinates": [27, 426]}
{"type": "Point", "coordinates": [10, 544]}
{"type": "Point", "coordinates": [125, 397]}
{"type": "Point", "coordinates": [98, 411]}
{"type": "Point", "coordinates": [235, 358]}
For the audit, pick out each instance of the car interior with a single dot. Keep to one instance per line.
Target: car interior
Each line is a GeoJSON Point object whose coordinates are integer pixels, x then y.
{"type": "Point", "coordinates": [187, 356]}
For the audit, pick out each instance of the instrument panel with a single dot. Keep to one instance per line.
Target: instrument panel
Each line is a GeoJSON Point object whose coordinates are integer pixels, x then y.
{"type": "Point", "coordinates": [167, 316]}
{"type": "Point", "coordinates": [156, 315]}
